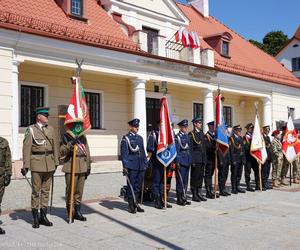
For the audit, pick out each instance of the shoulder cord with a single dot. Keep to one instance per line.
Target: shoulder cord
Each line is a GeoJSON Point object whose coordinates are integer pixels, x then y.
{"type": "Point", "coordinates": [237, 147]}
{"type": "Point", "coordinates": [194, 138]}
{"type": "Point", "coordinates": [38, 143]}
{"type": "Point", "coordinates": [180, 143]}
{"type": "Point", "coordinates": [136, 149]}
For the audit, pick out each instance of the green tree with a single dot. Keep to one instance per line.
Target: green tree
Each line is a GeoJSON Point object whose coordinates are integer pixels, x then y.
{"type": "Point", "coordinates": [272, 43]}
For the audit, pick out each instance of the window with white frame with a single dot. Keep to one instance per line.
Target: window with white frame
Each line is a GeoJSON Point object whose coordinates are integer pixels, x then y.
{"type": "Point", "coordinates": [94, 103]}
{"type": "Point", "coordinates": [227, 113]}
{"type": "Point", "coordinates": [76, 7]}
{"type": "Point", "coordinates": [32, 97]}
{"type": "Point", "coordinates": [198, 110]}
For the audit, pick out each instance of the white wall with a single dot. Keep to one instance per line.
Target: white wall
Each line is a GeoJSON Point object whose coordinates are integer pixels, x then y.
{"type": "Point", "coordinates": [286, 55]}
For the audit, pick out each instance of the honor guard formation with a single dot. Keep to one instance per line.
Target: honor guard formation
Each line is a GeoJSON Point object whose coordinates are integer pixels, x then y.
{"type": "Point", "coordinates": [195, 159]}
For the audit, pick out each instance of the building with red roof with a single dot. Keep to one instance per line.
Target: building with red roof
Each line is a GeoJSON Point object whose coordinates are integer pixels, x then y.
{"type": "Point", "coordinates": [133, 51]}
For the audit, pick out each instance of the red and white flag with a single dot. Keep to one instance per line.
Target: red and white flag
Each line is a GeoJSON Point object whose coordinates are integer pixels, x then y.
{"type": "Point", "coordinates": [258, 147]}
{"type": "Point", "coordinates": [290, 143]}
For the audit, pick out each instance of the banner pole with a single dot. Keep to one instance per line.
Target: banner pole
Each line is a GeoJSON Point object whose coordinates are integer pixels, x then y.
{"type": "Point", "coordinates": [260, 181]}
{"type": "Point", "coordinates": [165, 186]}
{"type": "Point", "coordinates": [216, 169]}
{"type": "Point", "coordinates": [72, 184]}
{"type": "Point", "coordinates": [290, 174]}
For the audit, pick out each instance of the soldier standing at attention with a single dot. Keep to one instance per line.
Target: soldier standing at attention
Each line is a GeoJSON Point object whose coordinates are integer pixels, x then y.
{"type": "Point", "coordinates": [237, 158]}
{"type": "Point", "coordinates": [5, 169]}
{"type": "Point", "coordinates": [210, 143]}
{"type": "Point", "coordinates": [285, 163]}
{"type": "Point", "coordinates": [198, 151]}
{"type": "Point", "coordinates": [251, 162]}
{"type": "Point", "coordinates": [266, 167]}
{"type": "Point", "coordinates": [183, 162]}
{"type": "Point", "coordinates": [82, 170]}
{"type": "Point", "coordinates": [40, 155]}
{"type": "Point", "coordinates": [277, 158]}
{"type": "Point", "coordinates": [134, 162]}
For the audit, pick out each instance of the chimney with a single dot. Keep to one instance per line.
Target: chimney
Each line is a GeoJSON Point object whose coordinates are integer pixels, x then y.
{"type": "Point", "coordinates": [202, 6]}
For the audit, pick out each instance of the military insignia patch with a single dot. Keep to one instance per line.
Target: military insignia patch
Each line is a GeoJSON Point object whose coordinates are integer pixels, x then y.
{"type": "Point", "coordinates": [27, 132]}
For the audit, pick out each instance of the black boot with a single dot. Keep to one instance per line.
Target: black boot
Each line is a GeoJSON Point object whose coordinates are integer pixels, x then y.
{"type": "Point", "coordinates": [157, 202]}
{"type": "Point", "coordinates": [35, 215]}
{"type": "Point", "coordinates": [200, 196]}
{"type": "Point", "coordinates": [43, 218]}
{"type": "Point", "coordinates": [239, 189]}
{"type": "Point", "coordinates": [68, 212]}
{"type": "Point", "coordinates": [2, 231]}
{"type": "Point", "coordinates": [131, 206]}
{"type": "Point", "coordinates": [233, 188]}
{"type": "Point", "coordinates": [184, 198]}
{"type": "Point", "coordinates": [163, 202]}
{"type": "Point", "coordinates": [139, 209]}
{"type": "Point", "coordinates": [180, 201]}
{"type": "Point", "coordinates": [195, 195]}
{"type": "Point", "coordinates": [249, 188]}
{"type": "Point", "coordinates": [78, 215]}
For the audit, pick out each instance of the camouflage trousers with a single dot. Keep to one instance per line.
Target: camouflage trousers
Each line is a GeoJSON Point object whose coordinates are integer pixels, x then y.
{"type": "Point", "coordinates": [2, 188]}
{"type": "Point", "coordinates": [296, 168]}
{"type": "Point", "coordinates": [277, 169]}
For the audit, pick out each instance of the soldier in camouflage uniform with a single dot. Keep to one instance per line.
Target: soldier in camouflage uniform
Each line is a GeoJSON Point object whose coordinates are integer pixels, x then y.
{"type": "Point", "coordinates": [277, 158]}
{"type": "Point", "coordinates": [5, 169]}
{"type": "Point", "coordinates": [40, 155]}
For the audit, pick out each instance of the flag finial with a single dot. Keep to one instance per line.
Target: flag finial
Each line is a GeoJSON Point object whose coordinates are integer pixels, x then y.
{"type": "Point", "coordinates": [78, 69]}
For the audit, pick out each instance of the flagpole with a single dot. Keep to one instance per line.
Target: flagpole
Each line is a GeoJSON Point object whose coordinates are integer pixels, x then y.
{"type": "Point", "coordinates": [216, 169]}
{"type": "Point", "coordinates": [165, 186]}
{"type": "Point", "coordinates": [290, 174]}
{"type": "Point", "coordinates": [72, 184]}
{"type": "Point", "coordinates": [260, 180]}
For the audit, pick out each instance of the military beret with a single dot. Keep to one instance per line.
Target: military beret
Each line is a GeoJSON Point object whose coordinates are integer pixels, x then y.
{"type": "Point", "coordinates": [249, 125]}
{"type": "Point", "coordinates": [183, 123]}
{"type": "Point", "coordinates": [237, 127]}
{"type": "Point", "coordinates": [196, 119]}
{"type": "Point", "coordinates": [42, 111]}
{"type": "Point", "coordinates": [134, 122]}
{"type": "Point", "coordinates": [212, 123]}
{"type": "Point", "coordinates": [275, 132]}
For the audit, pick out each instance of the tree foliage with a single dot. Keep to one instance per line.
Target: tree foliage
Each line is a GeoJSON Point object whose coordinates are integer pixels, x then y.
{"type": "Point", "coordinates": [272, 43]}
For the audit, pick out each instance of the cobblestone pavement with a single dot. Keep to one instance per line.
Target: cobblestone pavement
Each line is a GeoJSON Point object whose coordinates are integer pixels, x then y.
{"type": "Point", "coordinates": [260, 220]}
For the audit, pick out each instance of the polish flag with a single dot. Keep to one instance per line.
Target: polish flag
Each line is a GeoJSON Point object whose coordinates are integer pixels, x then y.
{"type": "Point", "coordinates": [290, 144]}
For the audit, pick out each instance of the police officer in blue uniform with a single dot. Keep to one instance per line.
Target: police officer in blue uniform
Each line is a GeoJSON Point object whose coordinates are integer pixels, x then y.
{"type": "Point", "coordinates": [237, 159]}
{"type": "Point", "coordinates": [210, 143]}
{"type": "Point", "coordinates": [198, 151]}
{"type": "Point", "coordinates": [183, 162]}
{"type": "Point", "coordinates": [134, 162]}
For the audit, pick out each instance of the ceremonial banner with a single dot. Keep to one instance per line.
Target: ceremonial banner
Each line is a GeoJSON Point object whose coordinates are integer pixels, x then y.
{"type": "Point", "coordinates": [221, 135]}
{"type": "Point", "coordinates": [258, 147]}
{"type": "Point", "coordinates": [77, 118]}
{"type": "Point", "coordinates": [166, 149]}
{"type": "Point", "coordinates": [290, 144]}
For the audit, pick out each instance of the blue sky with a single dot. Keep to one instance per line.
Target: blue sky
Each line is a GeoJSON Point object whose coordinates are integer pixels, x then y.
{"type": "Point", "coordinates": [254, 18]}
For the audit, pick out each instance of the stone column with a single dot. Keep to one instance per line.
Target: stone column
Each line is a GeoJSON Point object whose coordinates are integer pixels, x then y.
{"type": "Point", "coordinates": [15, 108]}
{"type": "Point", "coordinates": [267, 112]}
{"type": "Point", "coordinates": [139, 105]}
{"type": "Point", "coordinates": [208, 108]}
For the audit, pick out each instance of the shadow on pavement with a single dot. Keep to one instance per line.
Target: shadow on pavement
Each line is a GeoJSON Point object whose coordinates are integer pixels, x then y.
{"type": "Point", "coordinates": [86, 209]}
{"type": "Point", "coordinates": [109, 204]}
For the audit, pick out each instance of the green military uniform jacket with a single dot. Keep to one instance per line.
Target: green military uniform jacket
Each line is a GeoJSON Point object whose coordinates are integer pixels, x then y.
{"type": "Point", "coordinates": [40, 149]}
{"type": "Point", "coordinates": [5, 157]}
{"type": "Point", "coordinates": [83, 158]}
{"type": "Point", "coordinates": [276, 150]}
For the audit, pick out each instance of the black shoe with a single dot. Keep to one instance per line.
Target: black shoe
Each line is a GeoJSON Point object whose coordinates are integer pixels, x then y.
{"type": "Point", "coordinates": [180, 201]}
{"type": "Point", "coordinates": [35, 215]}
{"type": "Point", "coordinates": [43, 218]}
{"type": "Point", "coordinates": [2, 231]}
{"type": "Point", "coordinates": [139, 209]}
{"type": "Point", "coordinates": [209, 195]}
{"type": "Point", "coordinates": [250, 189]}
{"type": "Point", "coordinates": [228, 194]}
{"type": "Point", "coordinates": [157, 202]}
{"type": "Point", "coordinates": [131, 206]}
{"type": "Point", "coordinates": [234, 191]}
{"type": "Point", "coordinates": [195, 196]}
{"type": "Point", "coordinates": [78, 215]}
{"type": "Point", "coordinates": [240, 190]}
{"type": "Point", "coordinates": [222, 193]}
